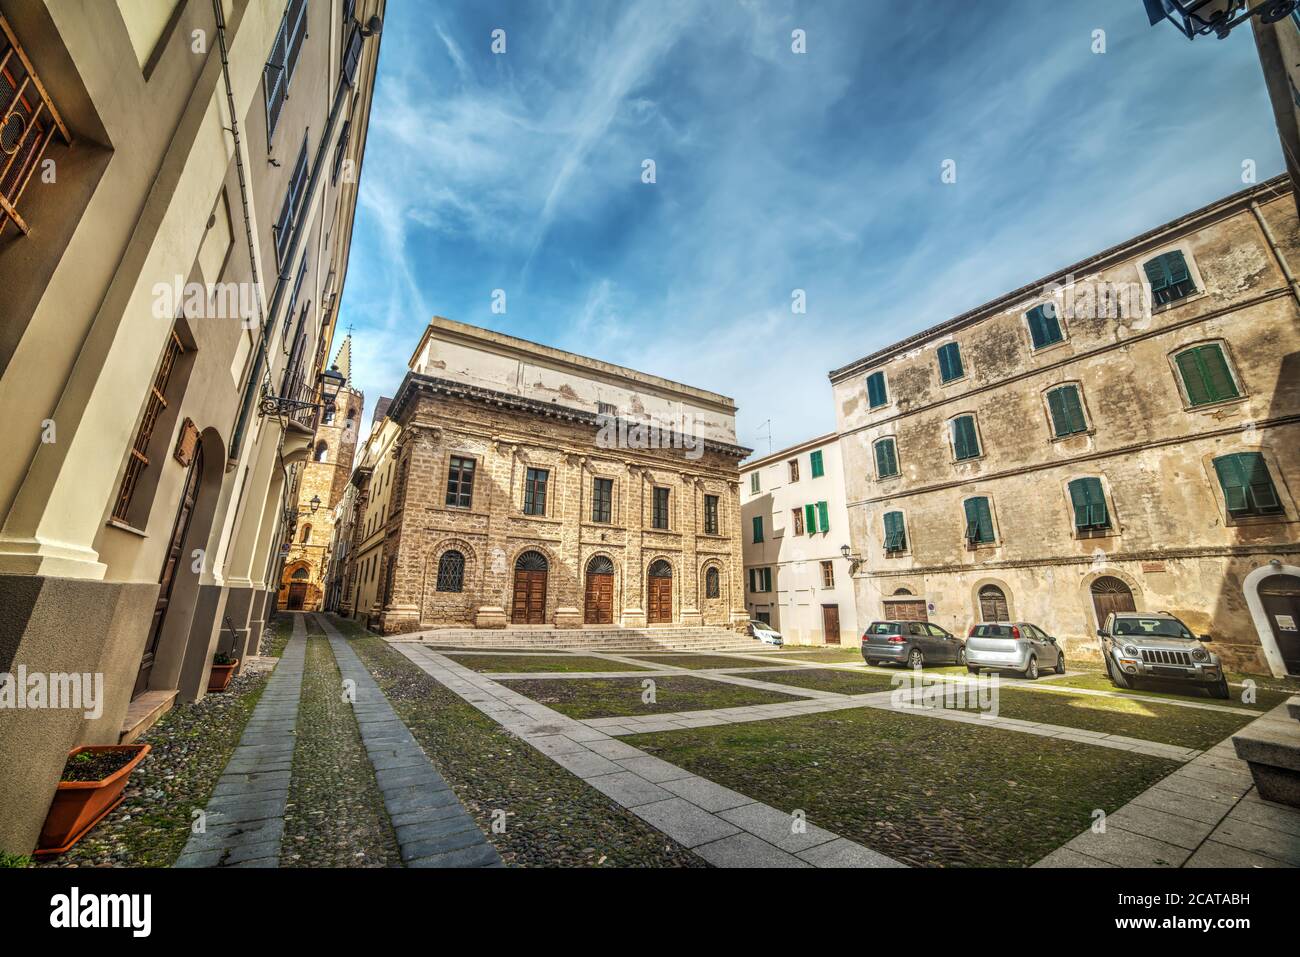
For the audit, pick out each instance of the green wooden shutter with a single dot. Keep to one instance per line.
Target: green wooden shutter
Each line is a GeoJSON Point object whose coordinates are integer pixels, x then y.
{"type": "Point", "coordinates": [886, 458]}
{"type": "Point", "coordinates": [1247, 486]}
{"type": "Point", "coordinates": [767, 579]}
{"type": "Point", "coordinates": [950, 366]}
{"type": "Point", "coordinates": [895, 538]}
{"type": "Point", "coordinates": [1044, 327]}
{"type": "Point", "coordinates": [877, 395]}
{"type": "Point", "coordinates": [964, 441]}
{"type": "Point", "coordinates": [809, 519]}
{"type": "Point", "coordinates": [751, 580]}
{"type": "Point", "coordinates": [979, 520]}
{"type": "Point", "coordinates": [815, 460]}
{"type": "Point", "coordinates": [823, 517]}
{"type": "Point", "coordinates": [1233, 481]}
{"type": "Point", "coordinates": [1206, 376]}
{"type": "Point", "coordinates": [1157, 275]}
{"type": "Point", "coordinates": [1067, 411]}
{"type": "Point", "coordinates": [758, 528]}
{"type": "Point", "coordinates": [1089, 503]}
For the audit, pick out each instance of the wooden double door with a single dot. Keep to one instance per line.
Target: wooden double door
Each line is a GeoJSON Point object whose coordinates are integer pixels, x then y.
{"type": "Point", "coordinates": [529, 606]}
{"type": "Point", "coordinates": [297, 595]}
{"type": "Point", "coordinates": [598, 607]}
{"type": "Point", "coordinates": [171, 565]}
{"type": "Point", "coordinates": [659, 593]}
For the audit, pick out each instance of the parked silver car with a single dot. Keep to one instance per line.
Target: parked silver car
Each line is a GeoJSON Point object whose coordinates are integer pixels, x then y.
{"type": "Point", "coordinates": [1136, 646]}
{"type": "Point", "coordinates": [1019, 646]}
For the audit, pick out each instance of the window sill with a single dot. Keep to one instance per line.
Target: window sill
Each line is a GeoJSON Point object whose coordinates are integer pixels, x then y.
{"type": "Point", "coordinates": [1050, 347]}
{"type": "Point", "coordinates": [1215, 406]}
{"type": "Point", "coordinates": [1074, 435]}
{"type": "Point", "coordinates": [1175, 303]}
{"type": "Point", "coordinates": [1240, 521]}
{"type": "Point", "coordinates": [1093, 534]}
{"type": "Point", "coordinates": [124, 527]}
{"type": "Point", "coordinates": [960, 380]}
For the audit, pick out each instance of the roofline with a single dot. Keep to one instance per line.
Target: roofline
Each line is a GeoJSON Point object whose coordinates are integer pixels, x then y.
{"type": "Point", "coordinates": [826, 439]}
{"type": "Point", "coordinates": [1228, 205]}
{"type": "Point", "coordinates": [533, 351]}
{"type": "Point", "coordinates": [414, 382]}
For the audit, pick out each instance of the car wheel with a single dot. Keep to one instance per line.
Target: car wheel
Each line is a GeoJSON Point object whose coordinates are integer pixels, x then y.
{"type": "Point", "coordinates": [961, 656]}
{"type": "Point", "coordinates": [1116, 676]}
{"type": "Point", "coordinates": [873, 662]}
{"type": "Point", "coordinates": [1060, 664]}
{"type": "Point", "coordinates": [1031, 669]}
{"type": "Point", "coordinates": [973, 669]}
{"type": "Point", "coordinates": [1220, 690]}
{"type": "Point", "coordinates": [915, 659]}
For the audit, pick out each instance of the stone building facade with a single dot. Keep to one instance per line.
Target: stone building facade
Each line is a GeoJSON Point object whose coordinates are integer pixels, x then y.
{"type": "Point", "coordinates": [1279, 56]}
{"type": "Point", "coordinates": [1122, 434]}
{"type": "Point", "coordinates": [184, 264]}
{"type": "Point", "coordinates": [794, 519]}
{"type": "Point", "coordinates": [320, 488]}
{"type": "Point", "coordinates": [515, 484]}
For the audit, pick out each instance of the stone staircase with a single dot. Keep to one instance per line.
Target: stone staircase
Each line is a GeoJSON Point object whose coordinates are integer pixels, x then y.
{"type": "Point", "coordinates": [589, 639]}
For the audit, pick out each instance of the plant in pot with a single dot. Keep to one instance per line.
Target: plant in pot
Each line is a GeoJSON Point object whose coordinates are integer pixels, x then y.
{"type": "Point", "coordinates": [93, 781]}
{"type": "Point", "coordinates": [223, 670]}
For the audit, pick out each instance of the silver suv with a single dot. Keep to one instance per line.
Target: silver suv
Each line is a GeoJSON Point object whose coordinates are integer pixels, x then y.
{"type": "Point", "coordinates": [1135, 646]}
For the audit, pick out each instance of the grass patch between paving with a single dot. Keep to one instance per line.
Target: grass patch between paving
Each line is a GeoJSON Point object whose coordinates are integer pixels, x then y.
{"type": "Point", "coordinates": [1166, 723]}
{"type": "Point", "coordinates": [275, 636]}
{"type": "Point", "coordinates": [697, 662]}
{"type": "Point", "coordinates": [585, 698]}
{"type": "Point", "coordinates": [552, 818]}
{"type": "Point", "coordinates": [1265, 698]}
{"type": "Point", "coordinates": [192, 744]}
{"type": "Point", "coordinates": [926, 792]}
{"type": "Point", "coordinates": [839, 680]}
{"type": "Point", "coordinates": [508, 664]}
{"type": "Point", "coordinates": [831, 655]}
{"type": "Point", "coordinates": [335, 814]}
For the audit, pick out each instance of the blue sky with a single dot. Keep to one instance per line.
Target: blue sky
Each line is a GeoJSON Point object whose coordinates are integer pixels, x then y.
{"type": "Point", "coordinates": [775, 171]}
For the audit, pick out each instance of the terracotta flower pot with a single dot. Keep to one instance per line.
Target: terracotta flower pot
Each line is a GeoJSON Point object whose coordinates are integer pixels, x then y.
{"type": "Point", "coordinates": [80, 805]}
{"type": "Point", "coordinates": [220, 677]}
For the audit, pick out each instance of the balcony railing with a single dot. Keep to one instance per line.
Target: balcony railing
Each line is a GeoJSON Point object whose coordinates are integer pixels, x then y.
{"type": "Point", "coordinates": [28, 121]}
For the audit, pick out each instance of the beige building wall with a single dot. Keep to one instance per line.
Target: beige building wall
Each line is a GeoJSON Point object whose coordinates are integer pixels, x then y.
{"type": "Point", "coordinates": [811, 588]}
{"type": "Point", "coordinates": [510, 406]}
{"type": "Point", "coordinates": [140, 308]}
{"type": "Point", "coordinates": [1172, 543]}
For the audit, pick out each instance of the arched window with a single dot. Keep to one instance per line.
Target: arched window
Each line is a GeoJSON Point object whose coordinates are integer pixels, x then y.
{"type": "Point", "coordinates": [600, 565]}
{"type": "Point", "coordinates": [993, 604]}
{"type": "Point", "coordinates": [300, 574]}
{"type": "Point", "coordinates": [902, 591]}
{"type": "Point", "coordinates": [451, 571]}
{"type": "Point", "coordinates": [712, 583]}
{"type": "Point", "coordinates": [321, 449]}
{"type": "Point", "coordinates": [532, 562]}
{"type": "Point", "coordinates": [661, 569]}
{"type": "Point", "coordinates": [305, 536]}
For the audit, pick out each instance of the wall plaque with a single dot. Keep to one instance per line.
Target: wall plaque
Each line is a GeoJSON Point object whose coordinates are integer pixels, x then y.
{"type": "Point", "coordinates": [186, 443]}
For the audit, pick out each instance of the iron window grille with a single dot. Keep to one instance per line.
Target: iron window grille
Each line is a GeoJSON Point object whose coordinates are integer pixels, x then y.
{"type": "Point", "coordinates": [138, 459]}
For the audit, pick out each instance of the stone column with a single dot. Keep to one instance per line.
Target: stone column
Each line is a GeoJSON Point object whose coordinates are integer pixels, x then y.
{"type": "Point", "coordinates": [736, 593]}
{"type": "Point", "coordinates": [494, 591]}
{"type": "Point", "coordinates": [568, 508]}
{"type": "Point", "coordinates": [634, 615]}
{"type": "Point", "coordinates": [690, 519]}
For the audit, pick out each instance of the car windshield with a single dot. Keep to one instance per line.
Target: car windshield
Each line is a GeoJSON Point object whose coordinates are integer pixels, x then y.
{"type": "Point", "coordinates": [885, 628]}
{"type": "Point", "coordinates": [992, 631]}
{"type": "Point", "coordinates": [1156, 627]}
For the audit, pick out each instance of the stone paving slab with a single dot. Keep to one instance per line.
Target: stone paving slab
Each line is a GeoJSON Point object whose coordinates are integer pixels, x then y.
{"type": "Point", "coordinates": [246, 821]}
{"type": "Point", "coordinates": [432, 827]}
{"type": "Point", "coordinates": [682, 805]}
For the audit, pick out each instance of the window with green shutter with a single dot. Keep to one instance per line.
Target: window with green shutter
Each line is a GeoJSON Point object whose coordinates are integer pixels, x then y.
{"type": "Point", "coordinates": [1205, 374]}
{"type": "Point", "coordinates": [810, 518]}
{"type": "Point", "coordinates": [823, 518]}
{"type": "Point", "coordinates": [1089, 503]}
{"type": "Point", "coordinates": [886, 458]}
{"type": "Point", "coordinates": [950, 366]}
{"type": "Point", "coordinates": [877, 395]}
{"type": "Point", "coordinates": [1247, 486]}
{"type": "Point", "coordinates": [965, 441]}
{"type": "Point", "coordinates": [758, 529]}
{"type": "Point", "coordinates": [895, 536]}
{"type": "Point", "coordinates": [1169, 277]}
{"type": "Point", "coordinates": [767, 579]}
{"type": "Point", "coordinates": [979, 521]}
{"type": "Point", "coordinates": [815, 460]}
{"type": "Point", "coordinates": [1067, 411]}
{"type": "Point", "coordinates": [1044, 326]}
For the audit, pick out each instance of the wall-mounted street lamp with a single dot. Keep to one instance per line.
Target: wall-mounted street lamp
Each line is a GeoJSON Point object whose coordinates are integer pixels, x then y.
{"type": "Point", "coordinates": [853, 560]}
{"type": "Point", "coordinates": [331, 382]}
{"type": "Point", "coordinates": [315, 503]}
{"type": "Point", "coordinates": [1195, 18]}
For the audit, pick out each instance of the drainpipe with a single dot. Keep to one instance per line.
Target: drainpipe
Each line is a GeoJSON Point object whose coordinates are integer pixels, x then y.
{"type": "Point", "coordinates": [1291, 279]}
{"type": "Point", "coordinates": [282, 279]}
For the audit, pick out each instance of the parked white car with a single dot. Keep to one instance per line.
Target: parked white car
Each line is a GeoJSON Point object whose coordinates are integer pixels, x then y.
{"type": "Point", "coordinates": [765, 633]}
{"type": "Point", "coordinates": [1018, 646]}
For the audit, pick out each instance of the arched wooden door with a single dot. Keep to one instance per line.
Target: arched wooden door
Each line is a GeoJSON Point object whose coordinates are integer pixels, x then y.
{"type": "Point", "coordinates": [171, 563]}
{"type": "Point", "coordinates": [1110, 594]}
{"type": "Point", "coordinates": [659, 593]}
{"type": "Point", "coordinates": [529, 606]}
{"type": "Point", "coordinates": [1280, 596]}
{"type": "Point", "coordinates": [993, 604]}
{"type": "Point", "coordinates": [599, 604]}
{"type": "Point", "coordinates": [298, 589]}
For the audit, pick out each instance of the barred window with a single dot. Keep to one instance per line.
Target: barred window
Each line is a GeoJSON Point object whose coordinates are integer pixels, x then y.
{"type": "Point", "coordinates": [157, 403]}
{"type": "Point", "coordinates": [712, 583]}
{"type": "Point", "coordinates": [659, 516]}
{"type": "Point", "coordinates": [460, 482]}
{"type": "Point", "coordinates": [451, 571]}
{"type": "Point", "coordinates": [710, 515]}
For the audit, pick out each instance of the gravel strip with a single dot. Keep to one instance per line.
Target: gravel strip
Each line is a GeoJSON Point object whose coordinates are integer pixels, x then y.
{"type": "Point", "coordinates": [191, 745]}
